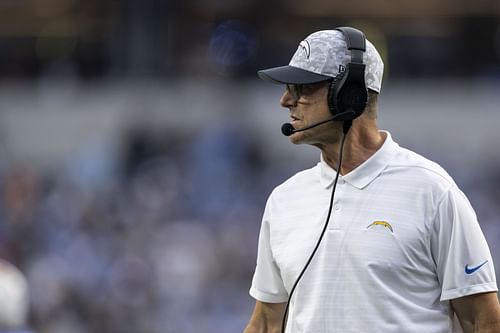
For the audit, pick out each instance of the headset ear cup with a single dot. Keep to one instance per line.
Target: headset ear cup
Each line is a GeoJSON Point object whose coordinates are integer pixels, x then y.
{"type": "Point", "coordinates": [352, 97]}
{"type": "Point", "coordinates": [332, 93]}
{"type": "Point", "coordinates": [345, 95]}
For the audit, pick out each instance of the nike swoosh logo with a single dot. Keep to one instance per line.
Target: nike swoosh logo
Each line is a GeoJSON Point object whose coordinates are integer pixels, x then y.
{"type": "Point", "coordinates": [470, 270]}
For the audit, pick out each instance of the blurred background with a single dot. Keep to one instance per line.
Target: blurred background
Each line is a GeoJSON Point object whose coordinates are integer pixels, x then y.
{"type": "Point", "coordinates": [138, 148]}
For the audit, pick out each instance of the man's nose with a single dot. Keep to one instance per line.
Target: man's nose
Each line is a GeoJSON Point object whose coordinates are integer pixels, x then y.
{"type": "Point", "coordinates": [287, 100]}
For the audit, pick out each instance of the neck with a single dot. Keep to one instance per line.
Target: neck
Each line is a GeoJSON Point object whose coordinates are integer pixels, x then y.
{"type": "Point", "coordinates": [362, 141]}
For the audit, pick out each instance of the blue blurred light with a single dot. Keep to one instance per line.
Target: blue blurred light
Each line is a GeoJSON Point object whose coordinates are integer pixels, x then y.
{"type": "Point", "coordinates": [232, 44]}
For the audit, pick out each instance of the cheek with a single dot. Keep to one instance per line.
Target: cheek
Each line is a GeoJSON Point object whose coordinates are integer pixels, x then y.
{"type": "Point", "coordinates": [319, 112]}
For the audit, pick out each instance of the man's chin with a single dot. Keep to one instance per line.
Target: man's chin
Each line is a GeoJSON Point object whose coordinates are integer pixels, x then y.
{"type": "Point", "coordinates": [297, 139]}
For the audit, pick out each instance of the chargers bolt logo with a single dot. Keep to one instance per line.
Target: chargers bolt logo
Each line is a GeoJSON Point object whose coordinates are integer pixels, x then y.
{"type": "Point", "coordinates": [304, 45]}
{"type": "Point", "coordinates": [384, 224]}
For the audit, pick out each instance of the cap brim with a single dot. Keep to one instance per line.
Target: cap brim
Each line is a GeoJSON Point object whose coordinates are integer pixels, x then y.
{"type": "Point", "coordinates": [291, 75]}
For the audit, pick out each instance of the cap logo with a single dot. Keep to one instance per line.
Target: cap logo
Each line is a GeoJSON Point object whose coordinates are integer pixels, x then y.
{"type": "Point", "coordinates": [341, 68]}
{"type": "Point", "coordinates": [304, 45]}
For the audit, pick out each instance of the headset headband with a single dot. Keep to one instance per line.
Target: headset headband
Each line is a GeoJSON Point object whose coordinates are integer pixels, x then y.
{"type": "Point", "coordinates": [356, 43]}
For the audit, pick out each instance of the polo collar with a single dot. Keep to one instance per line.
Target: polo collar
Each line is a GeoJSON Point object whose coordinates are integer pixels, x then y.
{"type": "Point", "coordinates": [365, 173]}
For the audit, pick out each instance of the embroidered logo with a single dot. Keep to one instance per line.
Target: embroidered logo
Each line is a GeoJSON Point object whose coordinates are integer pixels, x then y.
{"type": "Point", "coordinates": [304, 45]}
{"type": "Point", "coordinates": [384, 224]}
{"type": "Point", "coordinates": [470, 270]}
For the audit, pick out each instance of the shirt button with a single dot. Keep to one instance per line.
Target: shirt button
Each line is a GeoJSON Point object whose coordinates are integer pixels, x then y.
{"type": "Point", "coordinates": [336, 207]}
{"type": "Point", "coordinates": [341, 181]}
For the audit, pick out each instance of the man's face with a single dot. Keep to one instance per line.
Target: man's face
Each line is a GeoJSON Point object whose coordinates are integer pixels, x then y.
{"type": "Point", "coordinates": [308, 105]}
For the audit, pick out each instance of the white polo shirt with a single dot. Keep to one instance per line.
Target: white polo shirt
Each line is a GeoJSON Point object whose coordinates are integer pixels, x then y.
{"type": "Point", "coordinates": [402, 241]}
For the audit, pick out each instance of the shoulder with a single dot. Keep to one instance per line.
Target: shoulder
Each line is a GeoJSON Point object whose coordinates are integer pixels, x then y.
{"type": "Point", "coordinates": [424, 175]}
{"type": "Point", "coordinates": [299, 182]}
{"type": "Point", "coordinates": [303, 184]}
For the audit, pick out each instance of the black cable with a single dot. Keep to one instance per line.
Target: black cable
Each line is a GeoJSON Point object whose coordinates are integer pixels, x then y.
{"type": "Point", "coordinates": [346, 126]}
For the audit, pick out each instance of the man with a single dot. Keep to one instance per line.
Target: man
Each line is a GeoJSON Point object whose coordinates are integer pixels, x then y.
{"type": "Point", "coordinates": [396, 249]}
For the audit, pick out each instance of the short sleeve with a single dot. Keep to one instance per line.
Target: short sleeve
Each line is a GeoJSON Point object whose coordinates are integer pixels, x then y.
{"type": "Point", "coordinates": [463, 260]}
{"type": "Point", "coordinates": [267, 285]}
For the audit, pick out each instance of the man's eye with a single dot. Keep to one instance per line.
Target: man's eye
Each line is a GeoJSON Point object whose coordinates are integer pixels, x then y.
{"type": "Point", "coordinates": [307, 88]}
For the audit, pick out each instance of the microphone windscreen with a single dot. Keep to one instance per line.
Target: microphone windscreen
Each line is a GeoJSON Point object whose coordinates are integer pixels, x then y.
{"type": "Point", "coordinates": [287, 129]}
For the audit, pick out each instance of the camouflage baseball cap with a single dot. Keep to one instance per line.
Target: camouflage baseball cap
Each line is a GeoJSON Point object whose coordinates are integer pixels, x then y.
{"type": "Point", "coordinates": [322, 56]}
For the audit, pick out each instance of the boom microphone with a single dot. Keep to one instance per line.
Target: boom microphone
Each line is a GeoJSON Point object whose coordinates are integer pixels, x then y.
{"type": "Point", "coordinates": [287, 129]}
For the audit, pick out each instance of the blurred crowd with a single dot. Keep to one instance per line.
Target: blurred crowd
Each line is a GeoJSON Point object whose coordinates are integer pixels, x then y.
{"type": "Point", "coordinates": [164, 243]}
